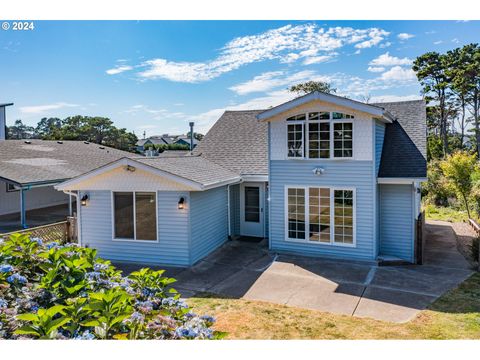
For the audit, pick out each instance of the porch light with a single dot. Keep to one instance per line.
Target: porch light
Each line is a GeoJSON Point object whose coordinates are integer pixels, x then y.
{"type": "Point", "coordinates": [130, 168]}
{"type": "Point", "coordinates": [84, 200]}
{"type": "Point", "coordinates": [181, 203]}
{"type": "Point", "coordinates": [318, 171]}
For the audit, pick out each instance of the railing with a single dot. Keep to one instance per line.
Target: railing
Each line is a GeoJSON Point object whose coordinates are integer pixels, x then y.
{"type": "Point", "coordinates": [63, 231]}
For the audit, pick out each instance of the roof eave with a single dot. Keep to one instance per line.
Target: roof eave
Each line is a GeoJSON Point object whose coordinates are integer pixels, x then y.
{"type": "Point", "coordinates": [341, 101]}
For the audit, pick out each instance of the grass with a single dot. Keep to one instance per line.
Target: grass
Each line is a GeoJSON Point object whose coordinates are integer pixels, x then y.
{"type": "Point", "coordinates": [433, 212]}
{"type": "Point", "coordinates": [456, 315]}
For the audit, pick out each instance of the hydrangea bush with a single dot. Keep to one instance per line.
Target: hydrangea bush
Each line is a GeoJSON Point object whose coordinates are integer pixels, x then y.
{"type": "Point", "coordinates": [53, 291]}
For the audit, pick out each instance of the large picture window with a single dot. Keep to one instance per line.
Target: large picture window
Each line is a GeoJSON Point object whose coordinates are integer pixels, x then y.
{"type": "Point", "coordinates": [320, 215]}
{"type": "Point", "coordinates": [135, 215]}
{"type": "Point", "coordinates": [320, 135]}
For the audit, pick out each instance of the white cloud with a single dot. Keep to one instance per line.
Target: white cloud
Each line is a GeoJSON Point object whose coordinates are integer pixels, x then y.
{"type": "Point", "coordinates": [399, 73]}
{"type": "Point", "coordinates": [376, 69]}
{"type": "Point", "coordinates": [274, 79]}
{"type": "Point", "coordinates": [455, 40]}
{"type": "Point", "coordinates": [119, 69]}
{"type": "Point", "coordinates": [438, 42]}
{"type": "Point", "coordinates": [405, 36]}
{"type": "Point", "coordinates": [286, 44]}
{"type": "Point", "coordinates": [387, 60]}
{"type": "Point", "coordinates": [394, 98]}
{"type": "Point", "coordinates": [39, 109]}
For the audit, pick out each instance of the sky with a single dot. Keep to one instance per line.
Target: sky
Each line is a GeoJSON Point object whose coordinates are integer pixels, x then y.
{"type": "Point", "coordinates": [157, 76]}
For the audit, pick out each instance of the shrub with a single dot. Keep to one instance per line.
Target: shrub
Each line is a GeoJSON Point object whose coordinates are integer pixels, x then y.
{"type": "Point", "coordinates": [49, 291]}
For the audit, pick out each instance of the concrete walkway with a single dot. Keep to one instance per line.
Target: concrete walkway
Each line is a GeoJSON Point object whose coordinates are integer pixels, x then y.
{"type": "Point", "coordinates": [396, 293]}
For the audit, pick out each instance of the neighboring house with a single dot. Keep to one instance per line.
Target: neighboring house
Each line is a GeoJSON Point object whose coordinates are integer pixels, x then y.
{"type": "Point", "coordinates": [30, 168]}
{"type": "Point", "coordinates": [142, 143]}
{"type": "Point", "coordinates": [185, 140]}
{"type": "Point", "coordinates": [320, 175]}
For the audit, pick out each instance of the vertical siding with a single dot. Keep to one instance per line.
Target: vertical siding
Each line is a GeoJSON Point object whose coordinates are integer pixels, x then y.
{"type": "Point", "coordinates": [379, 135]}
{"type": "Point", "coordinates": [235, 209]}
{"type": "Point", "coordinates": [396, 221]}
{"type": "Point", "coordinates": [173, 231]}
{"type": "Point", "coordinates": [209, 221]}
{"type": "Point", "coordinates": [348, 173]}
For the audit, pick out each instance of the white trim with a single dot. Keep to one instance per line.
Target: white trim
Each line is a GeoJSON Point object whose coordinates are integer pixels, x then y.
{"type": "Point", "coordinates": [400, 180]}
{"type": "Point", "coordinates": [255, 178]}
{"type": "Point", "coordinates": [297, 122]}
{"type": "Point", "coordinates": [332, 141]}
{"type": "Point", "coordinates": [332, 215]}
{"type": "Point", "coordinates": [112, 200]}
{"type": "Point", "coordinates": [333, 99]}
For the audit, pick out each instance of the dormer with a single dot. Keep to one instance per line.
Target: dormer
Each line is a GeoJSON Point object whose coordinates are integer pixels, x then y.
{"type": "Point", "coordinates": [321, 126]}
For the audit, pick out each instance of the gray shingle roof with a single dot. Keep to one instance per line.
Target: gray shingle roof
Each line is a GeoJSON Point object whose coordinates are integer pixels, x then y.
{"type": "Point", "coordinates": [237, 141]}
{"type": "Point", "coordinates": [49, 161]}
{"type": "Point", "coordinates": [404, 147]}
{"type": "Point", "coordinates": [194, 168]}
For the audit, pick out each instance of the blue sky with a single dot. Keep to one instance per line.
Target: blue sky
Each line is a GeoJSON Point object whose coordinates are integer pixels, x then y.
{"type": "Point", "coordinates": [156, 76]}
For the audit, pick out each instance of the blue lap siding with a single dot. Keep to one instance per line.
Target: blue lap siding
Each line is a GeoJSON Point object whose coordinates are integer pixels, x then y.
{"type": "Point", "coordinates": [173, 231]}
{"type": "Point", "coordinates": [209, 221]}
{"type": "Point", "coordinates": [396, 221]}
{"type": "Point", "coordinates": [347, 173]}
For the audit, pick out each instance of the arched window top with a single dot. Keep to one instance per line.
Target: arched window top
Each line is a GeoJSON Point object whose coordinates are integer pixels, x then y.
{"type": "Point", "coordinates": [321, 115]}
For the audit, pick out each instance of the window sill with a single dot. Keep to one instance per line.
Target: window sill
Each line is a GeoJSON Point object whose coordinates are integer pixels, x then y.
{"type": "Point", "coordinates": [135, 241]}
{"type": "Point", "coordinates": [317, 243]}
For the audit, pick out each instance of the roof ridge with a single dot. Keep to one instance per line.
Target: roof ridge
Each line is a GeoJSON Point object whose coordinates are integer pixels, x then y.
{"type": "Point", "coordinates": [400, 102]}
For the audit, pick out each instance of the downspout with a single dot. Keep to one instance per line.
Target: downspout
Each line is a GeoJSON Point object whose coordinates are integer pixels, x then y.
{"type": "Point", "coordinates": [23, 218]}
{"type": "Point", "coordinates": [228, 213]}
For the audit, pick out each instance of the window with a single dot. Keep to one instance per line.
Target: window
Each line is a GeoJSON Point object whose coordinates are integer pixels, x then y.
{"type": "Point", "coordinates": [319, 135]}
{"type": "Point", "coordinates": [11, 188]}
{"type": "Point", "coordinates": [295, 140]}
{"type": "Point", "coordinates": [342, 139]}
{"type": "Point", "coordinates": [252, 204]}
{"type": "Point", "coordinates": [135, 215]}
{"type": "Point", "coordinates": [296, 213]}
{"type": "Point", "coordinates": [320, 215]}
{"type": "Point", "coordinates": [343, 216]}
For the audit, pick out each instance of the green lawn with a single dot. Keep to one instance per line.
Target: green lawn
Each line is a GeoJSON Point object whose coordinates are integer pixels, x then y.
{"type": "Point", "coordinates": [456, 315]}
{"type": "Point", "coordinates": [433, 212]}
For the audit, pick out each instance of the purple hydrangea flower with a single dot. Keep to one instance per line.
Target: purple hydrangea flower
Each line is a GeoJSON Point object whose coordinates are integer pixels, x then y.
{"type": "Point", "coordinates": [52, 245]}
{"type": "Point", "coordinates": [208, 318]}
{"type": "Point", "coordinates": [3, 304]}
{"type": "Point", "coordinates": [86, 335]}
{"type": "Point", "coordinates": [37, 240]}
{"type": "Point", "coordinates": [100, 267]}
{"type": "Point", "coordinates": [4, 268]}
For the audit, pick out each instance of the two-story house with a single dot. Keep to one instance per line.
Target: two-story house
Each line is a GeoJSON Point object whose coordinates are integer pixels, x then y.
{"type": "Point", "coordinates": [320, 175]}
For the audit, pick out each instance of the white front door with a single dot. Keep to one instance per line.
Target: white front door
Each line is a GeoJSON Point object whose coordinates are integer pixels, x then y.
{"type": "Point", "coordinates": [251, 209]}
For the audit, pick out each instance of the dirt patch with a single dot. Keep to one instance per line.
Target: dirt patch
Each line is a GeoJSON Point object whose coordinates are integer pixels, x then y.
{"type": "Point", "coordinates": [465, 235]}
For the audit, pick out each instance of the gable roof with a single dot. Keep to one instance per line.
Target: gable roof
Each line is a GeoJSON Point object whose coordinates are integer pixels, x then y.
{"type": "Point", "coordinates": [40, 161]}
{"type": "Point", "coordinates": [238, 142]}
{"type": "Point", "coordinates": [404, 152]}
{"type": "Point", "coordinates": [371, 109]}
{"type": "Point", "coordinates": [193, 171]}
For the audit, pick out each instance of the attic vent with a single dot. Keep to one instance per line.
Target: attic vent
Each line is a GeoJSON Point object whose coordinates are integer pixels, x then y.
{"type": "Point", "coordinates": [86, 142]}
{"type": "Point", "coordinates": [59, 142]}
{"type": "Point", "coordinates": [101, 147]}
{"type": "Point", "coordinates": [27, 142]}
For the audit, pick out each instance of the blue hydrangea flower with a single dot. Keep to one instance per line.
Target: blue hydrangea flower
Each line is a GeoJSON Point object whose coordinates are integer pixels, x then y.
{"type": "Point", "coordinates": [37, 240]}
{"type": "Point", "coordinates": [17, 278]}
{"type": "Point", "coordinates": [208, 318]}
{"type": "Point", "coordinates": [94, 275]}
{"type": "Point", "coordinates": [100, 267]}
{"type": "Point", "coordinates": [4, 268]}
{"type": "Point", "coordinates": [52, 245]}
{"type": "Point", "coordinates": [3, 303]}
{"type": "Point", "coordinates": [86, 335]}
{"type": "Point", "coordinates": [186, 332]}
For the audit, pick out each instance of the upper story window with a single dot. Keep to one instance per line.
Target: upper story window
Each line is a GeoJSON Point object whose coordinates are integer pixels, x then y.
{"type": "Point", "coordinates": [320, 135]}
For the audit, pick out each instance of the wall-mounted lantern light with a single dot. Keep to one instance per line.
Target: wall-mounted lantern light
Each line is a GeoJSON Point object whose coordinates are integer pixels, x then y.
{"type": "Point", "coordinates": [181, 203]}
{"type": "Point", "coordinates": [84, 200]}
{"type": "Point", "coordinates": [130, 168]}
{"type": "Point", "coordinates": [318, 171]}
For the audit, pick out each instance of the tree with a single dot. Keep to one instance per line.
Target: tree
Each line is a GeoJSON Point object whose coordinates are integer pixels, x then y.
{"type": "Point", "coordinates": [20, 131]}
{"type": "Point", "coordinates": [458, 169]}
{"type": "Point", "coordinates": [196, 136]}
{"type": "Point", "coordinates": [431, 70]}
{"type": "Point", "coordinates": [310, 86]}
{"type": "Point", "coordinates": [48, 128]}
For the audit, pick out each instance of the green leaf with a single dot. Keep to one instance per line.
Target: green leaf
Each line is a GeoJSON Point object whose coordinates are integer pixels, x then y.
{"type": "Point", "coordinates": [27, 317]}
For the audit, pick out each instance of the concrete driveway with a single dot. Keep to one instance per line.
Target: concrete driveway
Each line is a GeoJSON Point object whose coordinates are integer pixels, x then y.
{"type": "Point", "coordinates": [390, 293]}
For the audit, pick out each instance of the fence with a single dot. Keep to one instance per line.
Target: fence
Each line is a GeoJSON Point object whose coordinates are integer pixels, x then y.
{"type": "Point", "coordinates": [420, 238]}
{"type": "Point", "coordinates": [63, 231]}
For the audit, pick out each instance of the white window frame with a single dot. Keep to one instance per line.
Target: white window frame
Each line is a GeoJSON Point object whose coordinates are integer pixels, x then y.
{"type": "Point", "coordinates": [306, 136]}
{"type": "Point", "coordinates": [134, 218]}
{"type": "Point", "coordinates": [332, 215]}
{"type": "Point", "coordinates": [297, 122]}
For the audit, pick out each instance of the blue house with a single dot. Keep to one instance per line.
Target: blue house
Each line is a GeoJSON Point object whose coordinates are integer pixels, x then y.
{"type": "Point", "coordinates": [320, 175]}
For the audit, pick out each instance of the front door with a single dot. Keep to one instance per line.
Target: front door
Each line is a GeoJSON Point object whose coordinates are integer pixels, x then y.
{"type": "Point", "coordinates": [251, 209]}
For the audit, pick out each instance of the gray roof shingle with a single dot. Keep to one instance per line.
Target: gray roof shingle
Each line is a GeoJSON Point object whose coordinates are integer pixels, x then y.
{"type": "Point", "coordinates": [194, 168]}
{"type": "Point", "coordinates": [42, 161]}
{"type": "Point", "coordinates": [404, 150]}
{"type": "Point", "coordinates": [238, 142]}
